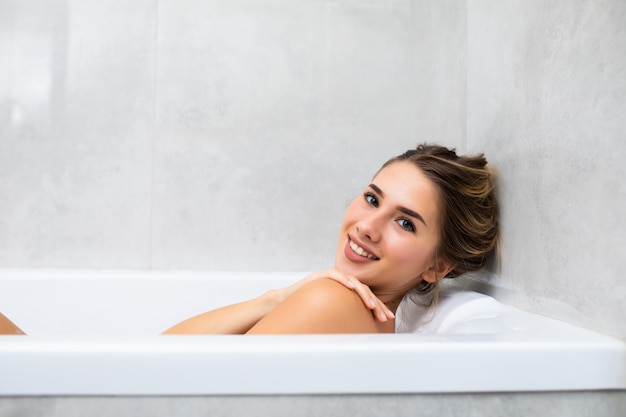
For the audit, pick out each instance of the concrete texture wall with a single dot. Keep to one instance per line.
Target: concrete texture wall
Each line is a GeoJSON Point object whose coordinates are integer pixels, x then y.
{"type": "Point", "coordinates": [210, 135]}
{"type": "Point", "coordinates": [546, 99]}
{"type": "Point", "coordinates": [579, 404]}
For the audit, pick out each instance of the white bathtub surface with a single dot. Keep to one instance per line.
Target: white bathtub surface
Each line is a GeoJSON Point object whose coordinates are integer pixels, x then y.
{"type": "Point", "coordinates": [97, 336]}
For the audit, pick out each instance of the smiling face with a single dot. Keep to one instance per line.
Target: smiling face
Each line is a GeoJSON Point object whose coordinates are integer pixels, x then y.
{"type": "Point", "coordinates": [390, 233]}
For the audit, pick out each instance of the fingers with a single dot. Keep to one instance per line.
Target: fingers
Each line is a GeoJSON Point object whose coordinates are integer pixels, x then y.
{"type": "Point", "coordinates": [380, 311]}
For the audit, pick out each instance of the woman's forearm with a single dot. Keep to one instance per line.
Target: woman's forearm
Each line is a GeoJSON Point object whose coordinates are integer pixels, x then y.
{"type": "Point", "coordinates": [233, 319]}
{"type": "Point", "coordinates": [240, 318]}
{"type": "Point", "coordinates": [8, 327]}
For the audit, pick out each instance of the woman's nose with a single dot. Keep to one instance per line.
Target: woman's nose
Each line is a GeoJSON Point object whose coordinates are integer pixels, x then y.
{"type": "Point", "coordinates": [369, 228]}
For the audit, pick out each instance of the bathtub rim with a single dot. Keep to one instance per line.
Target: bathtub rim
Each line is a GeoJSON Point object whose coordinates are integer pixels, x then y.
{"type": "Point", "coordinates": [345, 364]}
{"type": "Point", "coordinates": [33, 363]}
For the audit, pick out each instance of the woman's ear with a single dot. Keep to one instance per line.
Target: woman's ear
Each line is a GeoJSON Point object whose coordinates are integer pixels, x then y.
{"type": "Point", "coordinates": [438, 271]}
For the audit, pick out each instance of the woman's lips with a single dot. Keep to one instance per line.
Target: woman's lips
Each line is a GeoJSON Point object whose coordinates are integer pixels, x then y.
{"type": "Point", "coordinates": [350, 250]}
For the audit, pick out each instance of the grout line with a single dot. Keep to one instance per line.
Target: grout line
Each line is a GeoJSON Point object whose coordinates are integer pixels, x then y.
{"type": "Point", "coordinates": [153, 136]}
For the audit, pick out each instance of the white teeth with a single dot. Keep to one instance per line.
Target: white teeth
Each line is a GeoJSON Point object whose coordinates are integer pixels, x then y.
{"type": "Point", "coordinates": [360, 251]}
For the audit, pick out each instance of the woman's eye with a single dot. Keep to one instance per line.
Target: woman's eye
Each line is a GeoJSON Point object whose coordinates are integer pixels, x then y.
{"type": "Point", "coordinates": [406, 224]}
{"type": "Point", "coordinates": [371, 199]}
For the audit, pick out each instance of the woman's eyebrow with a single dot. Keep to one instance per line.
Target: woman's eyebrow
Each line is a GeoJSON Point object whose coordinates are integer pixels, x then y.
{"type": "Point", "coordinates": [412, 213]}
{"type": "Point", "coordinates": [378, 190]}
{"type": "Point", "coordinates": [405, 210]}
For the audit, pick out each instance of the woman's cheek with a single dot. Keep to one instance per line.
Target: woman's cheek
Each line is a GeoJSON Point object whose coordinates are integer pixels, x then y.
{"type": "Point", "coordinates": [412, 259]}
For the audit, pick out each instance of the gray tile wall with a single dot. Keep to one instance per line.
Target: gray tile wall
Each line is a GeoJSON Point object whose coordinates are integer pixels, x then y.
{"type": "Point", "coordinates": [554, 404]}
{"type": "Point", "coordinates": [210, 135]}
{"type": "Point", "coordinates": [546, 99]}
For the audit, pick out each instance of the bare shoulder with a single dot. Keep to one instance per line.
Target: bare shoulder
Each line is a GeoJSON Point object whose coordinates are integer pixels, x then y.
{"type": "Point", "coordinates": [330, 295]}
{"type": "Point", "coordinates": [321, 306]}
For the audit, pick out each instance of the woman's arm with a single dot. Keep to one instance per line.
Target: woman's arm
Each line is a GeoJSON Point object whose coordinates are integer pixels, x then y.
{"type": "Point", "coordinates": [241, 317]}
{"type": "Point", "coordinates": [8, 327]}
{"type": "Point", "coordinates": [322, 306]}
{"type": "Point", "coordinates": [233, 319]}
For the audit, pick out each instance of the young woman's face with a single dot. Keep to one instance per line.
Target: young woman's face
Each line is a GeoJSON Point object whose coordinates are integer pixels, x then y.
{"type": "Point", "coordinates": [389, 233]}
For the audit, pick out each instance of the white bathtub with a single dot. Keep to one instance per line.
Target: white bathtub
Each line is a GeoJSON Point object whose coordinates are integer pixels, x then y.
{"type": "Point", "coordinates": [97, 333]}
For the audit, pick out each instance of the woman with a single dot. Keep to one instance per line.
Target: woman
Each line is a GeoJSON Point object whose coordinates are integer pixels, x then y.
{"type": "Point", "coordinates": [428, 214]}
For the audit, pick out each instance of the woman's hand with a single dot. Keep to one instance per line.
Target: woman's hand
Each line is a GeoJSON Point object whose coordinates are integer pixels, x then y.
{"type": "Point", "coordinates": [379, 309]}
